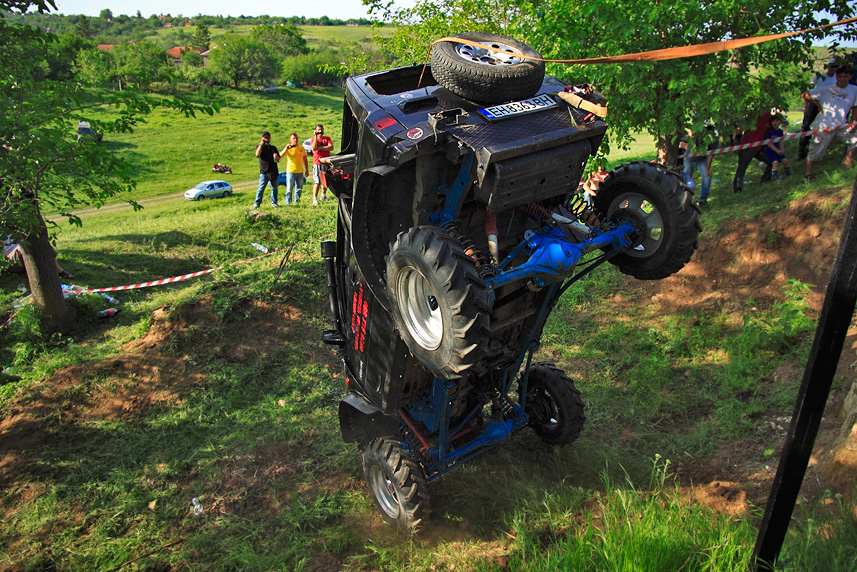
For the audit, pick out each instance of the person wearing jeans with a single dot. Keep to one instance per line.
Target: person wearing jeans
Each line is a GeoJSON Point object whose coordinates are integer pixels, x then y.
{"type": "Point", "coordinates": [297, 167]}
{"type": "Point", "coordinates": [703, 162]}
{"type": "Point", "coordinates": [747, 156]}
{"type": "Point", "coordinates": [268, 173]}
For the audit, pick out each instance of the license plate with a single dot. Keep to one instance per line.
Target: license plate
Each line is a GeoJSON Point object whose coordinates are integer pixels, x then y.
{"type": "Point", "coordinates": [518, 107]}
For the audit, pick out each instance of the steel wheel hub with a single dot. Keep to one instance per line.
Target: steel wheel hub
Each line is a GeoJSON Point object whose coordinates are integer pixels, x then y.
{"type": "Point", "coordinates": [489, 57]}
{"type": "Point", "coordinates": [647, 220]}
{"type": "Point", "coordinates": [420, 310]}
{"type": "Point", "coordinates": [384, 491]}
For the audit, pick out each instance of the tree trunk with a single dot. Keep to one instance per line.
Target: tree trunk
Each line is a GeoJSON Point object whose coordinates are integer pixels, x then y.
{"type": "Point", "coordinates": [668, 152]}
{"type": "Point", "coordinates": [44, 280]}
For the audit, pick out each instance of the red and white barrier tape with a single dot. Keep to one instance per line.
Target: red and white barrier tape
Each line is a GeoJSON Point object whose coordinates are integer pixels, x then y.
{"type": "Point", "coordinates": [785, 137]}
{"type": "Point", "coordinates": [177, 278]}
{"type": "Point", "coordinates": [12, 317]}
{"type": "Point", "coordinates": [196, 274]}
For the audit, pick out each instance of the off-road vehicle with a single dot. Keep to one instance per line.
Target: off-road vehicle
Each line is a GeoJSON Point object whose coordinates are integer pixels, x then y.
{"type": "Point", "coordinates": [460, 225]}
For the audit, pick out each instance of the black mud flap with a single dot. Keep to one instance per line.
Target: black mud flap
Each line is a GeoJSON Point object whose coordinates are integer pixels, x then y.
{"type": "Point", "coordinates": [361, 422]}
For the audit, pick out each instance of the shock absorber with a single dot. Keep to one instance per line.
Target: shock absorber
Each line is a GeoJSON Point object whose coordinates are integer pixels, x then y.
{"type": "Point", "coordinates": [545, 216]}
{"type": "Point", "coordinates": [485, 266]}
{"type": "Point", "coordinates": [537, 211]}
{"type": "Point", "coordinates": [582, 211]}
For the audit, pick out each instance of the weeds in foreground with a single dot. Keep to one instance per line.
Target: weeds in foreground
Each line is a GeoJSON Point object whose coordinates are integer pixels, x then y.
{"type": "Point", "coordinates": [780, 327]}
{"type": "Point", "coordinates": [659, 528]}
{"type": "Point", "coordinates": [824, 538]}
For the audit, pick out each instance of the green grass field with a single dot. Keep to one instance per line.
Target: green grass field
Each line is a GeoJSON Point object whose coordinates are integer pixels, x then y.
{"type": "Point", "coordinates": [317, 37]}
{"type": "Point", "coordinates": [171, 154]}
{"type": "Point", "coordinates": [219, 388]}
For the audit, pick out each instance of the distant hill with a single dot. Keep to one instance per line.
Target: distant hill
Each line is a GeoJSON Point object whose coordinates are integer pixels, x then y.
{"type": "Point", "coordinates": [170, 31]}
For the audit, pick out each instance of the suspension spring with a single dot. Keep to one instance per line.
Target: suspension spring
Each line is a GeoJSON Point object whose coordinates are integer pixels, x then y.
{"type": "Point", "coordinates": [413, 445]}
{"type": "Point", "coordinates": [484, 265]}
{"type": "Point", "coordinates": [535, 210]}
{"type": "Point", "coordinates": [582, 211]}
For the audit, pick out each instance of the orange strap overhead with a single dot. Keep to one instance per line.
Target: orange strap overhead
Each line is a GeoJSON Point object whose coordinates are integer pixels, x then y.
{"type": "Point", "coordinates": [662, 54]}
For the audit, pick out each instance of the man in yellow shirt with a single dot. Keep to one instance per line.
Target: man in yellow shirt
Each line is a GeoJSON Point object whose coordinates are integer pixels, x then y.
{"type": "Point", "coordinates": [297, 168]}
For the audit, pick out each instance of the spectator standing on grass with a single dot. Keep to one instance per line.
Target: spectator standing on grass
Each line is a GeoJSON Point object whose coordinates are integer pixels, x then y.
{"type": "Point", "coordinates": [835, 103]}
{"type": "Point", "coordinates": [268, 172]}
{"type": "Point", "coordinates": [774, 151]}
{"type": "Point", "coordinates": [746, 156]}
{"type": "Point", "coordinates": [297, 168]}
{"type": "Point", "coordinates": [703, 143]}
{"type": "Point", "coordinates": [810, 111]}
{"type": "Point", "coordinates": [321, 147]}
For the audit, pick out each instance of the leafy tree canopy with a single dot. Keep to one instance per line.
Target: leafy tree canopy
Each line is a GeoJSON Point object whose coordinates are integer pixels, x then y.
{"type": "Point", "coordinates": [42, 165]}
{"type": "Point", "coordinates": [285, 40]}
{"type": "Point", "coordinates": [84, 27]}
{"type": "Point", "coordinates": [243, 60]}
{"type": "Point", "coordinates": [201, 38]}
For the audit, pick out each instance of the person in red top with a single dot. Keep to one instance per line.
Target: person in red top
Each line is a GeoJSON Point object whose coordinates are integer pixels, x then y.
{"type": "Point", "coordinates": [747, 156]}
{"type": "Point", "coordinates": [321, 147]}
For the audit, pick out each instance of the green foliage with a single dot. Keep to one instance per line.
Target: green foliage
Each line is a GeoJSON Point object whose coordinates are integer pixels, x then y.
{"type": "Point", "coordinates": [418, 26]}
{"type": "Point", "coordinates": [653, 528]}
{"type": "Point", "coordinates": [139, 63]}
{"type": "Point", "coordinates": [241, 60]}
{"type": "Point", "coordinates": [83, 29]}
{"type": "Point", "coordinates": [317, 68]}
{"type": "Point", "coordinates": [781, 327]}
{"type": "Point", "coordinates": [822, 537]}
{"type": "Point", "coordinates": [62, 56]}
{"type": "Point", "coordinates": [201, 38]}
{"type": "Point", "coordinates": [666, 97]}
{"type": "Point", "coordinates": [192, 59]}
{"type": "Point", "coordinates": [43, 165]}
{"type": "Point", "coordinates": [286, 41]}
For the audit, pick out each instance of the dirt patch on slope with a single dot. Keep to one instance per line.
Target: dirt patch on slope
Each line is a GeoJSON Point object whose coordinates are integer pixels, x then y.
{"type": "Point", "coordinates": [753, 260]}
{"type": "Point", "coordinates": [153, 372]}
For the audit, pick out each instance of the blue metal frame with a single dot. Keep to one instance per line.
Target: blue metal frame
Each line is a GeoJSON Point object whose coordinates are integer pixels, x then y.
{"type": "Point", "coordinates": [551, 263]}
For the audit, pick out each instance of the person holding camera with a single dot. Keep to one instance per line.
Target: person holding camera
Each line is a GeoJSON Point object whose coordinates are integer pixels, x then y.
{"type": "Point", "coordinates": [321, 147]}
{"type": "Point", "coordinates": [268, 172]}
{"type": "Point", "coordinates": [297, 168]}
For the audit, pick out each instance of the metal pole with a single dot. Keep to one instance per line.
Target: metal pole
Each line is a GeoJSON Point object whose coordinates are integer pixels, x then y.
{"type": "Point", "coordinates": [836, 314]}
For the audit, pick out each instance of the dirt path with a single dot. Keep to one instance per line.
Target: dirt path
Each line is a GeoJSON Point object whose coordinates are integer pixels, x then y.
{"type": "Point", "coordinates": [160, 199]}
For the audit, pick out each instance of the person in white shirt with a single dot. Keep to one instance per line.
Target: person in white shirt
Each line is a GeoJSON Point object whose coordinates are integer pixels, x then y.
{"type": "Point", "coordinates": [835, 103]}
{"type": "Point", "coordinates": [810, 111]}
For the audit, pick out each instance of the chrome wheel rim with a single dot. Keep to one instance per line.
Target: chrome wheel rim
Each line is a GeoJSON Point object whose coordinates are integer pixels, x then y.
{"type": "Point", "coordinates": [491, 57]}
{"type": "Point", "coordinates": [385, 491]}
{"type": "Point", "coordinates": [420, 309]}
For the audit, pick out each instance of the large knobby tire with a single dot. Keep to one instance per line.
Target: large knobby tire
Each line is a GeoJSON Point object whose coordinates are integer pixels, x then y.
{"type": "Point", "coordinates": [485, 75]}
{"type": "Point", "coordinates": [660, 206]}
{"type": "Point", "coordinates": [397, 484]}
{"type": "Point", "coordinates": [554, 407]}
{"type": "Point", "coordinates": [438, 301]}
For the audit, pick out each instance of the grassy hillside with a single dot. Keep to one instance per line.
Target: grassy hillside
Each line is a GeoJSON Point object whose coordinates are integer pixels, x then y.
{"type": "Point", "coordinates": [317, 37]}
{"type": "Point", "coordinates": [170, 154]}
{"type": "Point", "coordinates": [219, 388]}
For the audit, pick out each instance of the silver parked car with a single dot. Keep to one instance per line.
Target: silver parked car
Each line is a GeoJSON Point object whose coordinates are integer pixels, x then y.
{"type": "Point", "coordinates": [208, 189]}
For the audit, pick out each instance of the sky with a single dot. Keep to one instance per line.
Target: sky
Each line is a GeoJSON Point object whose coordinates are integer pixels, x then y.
{"type": "Point", "coordinates": [341, 9]}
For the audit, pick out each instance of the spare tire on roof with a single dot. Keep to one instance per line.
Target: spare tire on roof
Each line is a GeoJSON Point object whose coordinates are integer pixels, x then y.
{"type": "Point", "coordinates": [475, 68]}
